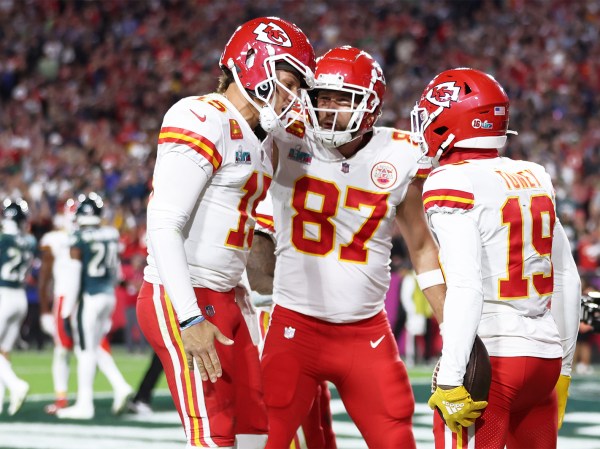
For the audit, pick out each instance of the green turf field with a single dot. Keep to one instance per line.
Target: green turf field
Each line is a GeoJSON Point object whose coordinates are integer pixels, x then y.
{"type": "Point", "coordinates": [31, 428]}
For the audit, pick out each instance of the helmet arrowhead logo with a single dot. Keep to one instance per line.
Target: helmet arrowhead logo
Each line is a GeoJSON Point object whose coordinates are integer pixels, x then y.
{"type": "Point", "coordinates": [271, 33]}
{"type": "Point", "coordinates": [444, 93]}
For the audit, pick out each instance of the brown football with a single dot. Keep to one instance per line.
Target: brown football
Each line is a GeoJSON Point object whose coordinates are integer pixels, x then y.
{"type": "Point", "coordinates": [478, 376]}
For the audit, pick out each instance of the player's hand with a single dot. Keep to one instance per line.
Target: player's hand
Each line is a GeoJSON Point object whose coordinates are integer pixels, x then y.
{"type": "Point", "coordinates": [47, 324]}
{"type": "Point", "coordinates": [562, 393]}
{"type": "Point", "coordinates": [456, 406]}
{"type": "Point", "coordinates": [199, 344]}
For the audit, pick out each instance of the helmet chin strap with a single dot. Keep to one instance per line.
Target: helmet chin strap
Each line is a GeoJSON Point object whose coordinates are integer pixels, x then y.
{"type": "Point", "coordinates": [267, 117]}
{"type": "Point", "coordinates": [444, 145]}
{"type": "Point", "coordinates": [334, 141]}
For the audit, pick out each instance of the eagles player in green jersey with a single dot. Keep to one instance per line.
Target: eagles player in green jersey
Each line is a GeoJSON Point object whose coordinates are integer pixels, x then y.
{"type": "Point", "coordinates": [90, 299]}
{"type": "Point", "coordinates": [16, 253]}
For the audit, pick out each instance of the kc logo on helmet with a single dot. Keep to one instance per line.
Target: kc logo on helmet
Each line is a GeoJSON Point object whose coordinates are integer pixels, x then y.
{"type": "Point", "coordinates": [271, 33]}
{"type": "Point", "coordinates": [443, 94]}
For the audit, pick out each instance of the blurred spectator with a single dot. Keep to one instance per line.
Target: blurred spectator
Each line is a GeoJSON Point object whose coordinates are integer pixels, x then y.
{"type": "Point", "coordinates": [419, 317]}
{"type": "Point", "coordinates": [582, 361]}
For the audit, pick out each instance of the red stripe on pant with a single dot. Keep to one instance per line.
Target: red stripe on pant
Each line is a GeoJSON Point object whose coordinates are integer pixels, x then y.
{"type": "Point", "coordinates": [213, 413]}
{"type": "Point", "coordinates": [163, 334]}
{"type": "Point", "coordinates": [62, 338]}
{"type": "Point", "coordinates": [187, 377]}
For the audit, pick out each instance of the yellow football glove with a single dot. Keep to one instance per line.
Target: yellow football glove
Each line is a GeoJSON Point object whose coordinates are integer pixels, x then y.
{"type": "Point", "coordinates": [457, 407]}
{"type": "Point", "coordinates": [562, 393]}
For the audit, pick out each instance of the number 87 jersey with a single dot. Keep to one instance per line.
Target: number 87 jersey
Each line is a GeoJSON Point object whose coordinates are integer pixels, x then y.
{"type": "Point", "coordinates": [334, 221]}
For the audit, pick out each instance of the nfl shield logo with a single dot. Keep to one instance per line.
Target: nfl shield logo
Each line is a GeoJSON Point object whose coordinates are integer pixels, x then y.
{"type": "Point", "coordinates": [345, 167]}
{"type": "Point", "coordinates": [288, 332]}
{"type": "Point", "coordinates": [210, 310]}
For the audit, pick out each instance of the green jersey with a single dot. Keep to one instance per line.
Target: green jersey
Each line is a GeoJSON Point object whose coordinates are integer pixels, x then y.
{"type": "Point", "coordinates": [16, 255]}
{"type": "Point", "coordinates": [99, 249]}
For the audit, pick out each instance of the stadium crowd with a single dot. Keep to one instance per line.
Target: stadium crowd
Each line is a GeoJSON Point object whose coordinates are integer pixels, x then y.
{"type": "Point", "coordinates": [84, 84]}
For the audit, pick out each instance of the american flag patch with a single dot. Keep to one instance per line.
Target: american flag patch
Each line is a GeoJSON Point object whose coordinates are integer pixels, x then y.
{"type": "Point", "coordinates": [499, 110]}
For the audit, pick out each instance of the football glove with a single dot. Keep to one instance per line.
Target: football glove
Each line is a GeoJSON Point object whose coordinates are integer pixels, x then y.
{"type": "Point", "coordinates": [562, 393]}
{"type": "Point", "coordinates": [456, 406]}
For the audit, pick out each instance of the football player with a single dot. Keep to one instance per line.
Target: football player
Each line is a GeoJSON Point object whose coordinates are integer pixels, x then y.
{"type": "Point", "coordinates": [340, 187]}
{"type": "Point", "coordinates": [316, 430]}
{"type": "Point", "coordinates": [505, 257]}
{"type": "Point", "coordinates": [16, 254]}
{"type": "Point", "coordinates": [89, 301]}
{"type": "Point", "coordinates": [54, 272]}
{"type": "Point", "coordinates": [209, 176]}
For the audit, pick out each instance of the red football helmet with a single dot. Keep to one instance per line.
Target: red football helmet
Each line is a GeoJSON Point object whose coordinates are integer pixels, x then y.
{"type": "Point", "coordinates": [65, 215]}
{"type": "Point", "coordinates": [351, 70]}
{"type": "Point", "coordinates": [254, 50]}
{"type": "Point", "coordinates": [460, 108]}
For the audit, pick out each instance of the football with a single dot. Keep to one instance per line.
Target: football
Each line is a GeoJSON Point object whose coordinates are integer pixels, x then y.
{"type": "Point", "coordinates": [478, 376]}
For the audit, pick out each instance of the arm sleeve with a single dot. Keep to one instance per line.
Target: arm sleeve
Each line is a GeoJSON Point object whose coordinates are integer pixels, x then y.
{"type": "Point", "coordinates": [72, 286]}
{"type": "Point", "coordinates": [460, 257]}
{"type": "Point", "coordinates": [566, 297]}
{"type": "Point", "coordinates": [178, 183]}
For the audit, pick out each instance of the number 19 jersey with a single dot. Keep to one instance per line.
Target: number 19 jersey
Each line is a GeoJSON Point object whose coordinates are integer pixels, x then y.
{"type": "Point", "coordinates": [334, 220]}
{"type": "Point", "coordinates": [511, 204]}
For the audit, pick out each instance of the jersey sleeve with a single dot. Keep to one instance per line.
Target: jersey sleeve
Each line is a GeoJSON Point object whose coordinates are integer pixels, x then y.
{"type": "Point", "coordinates": [460, 259]}
{"type": "Point", "coordinates": [447, 191]}
{"type": "Point", "coordinates": [194, 127]}
{"type": "Point", "coordinates": [566, 296]}
{"type": "Point", "coordinates": [423, 168]}
{"type": "Point", "coordinates": [168, 212]}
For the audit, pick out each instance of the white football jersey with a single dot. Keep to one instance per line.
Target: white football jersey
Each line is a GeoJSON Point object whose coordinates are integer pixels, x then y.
{"type": "Point", "coordinates": [264, 216]}
{"type": "Point", "coordinates": [511, 205]}
{"type": "Point", "coordinates": [334, 219]}
{"type": "Point", "coordinates": [58, 241]}
{"type": "Point", "coordinates": [212, 133]}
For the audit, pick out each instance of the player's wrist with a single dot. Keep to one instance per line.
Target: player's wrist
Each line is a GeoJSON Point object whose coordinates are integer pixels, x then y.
{"type": "Point", "coordinates": [448, 387]}
{"type": "Point", "coordinates": [191, 322]}
{"type": "Point", "coordinates": [430, 278]}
